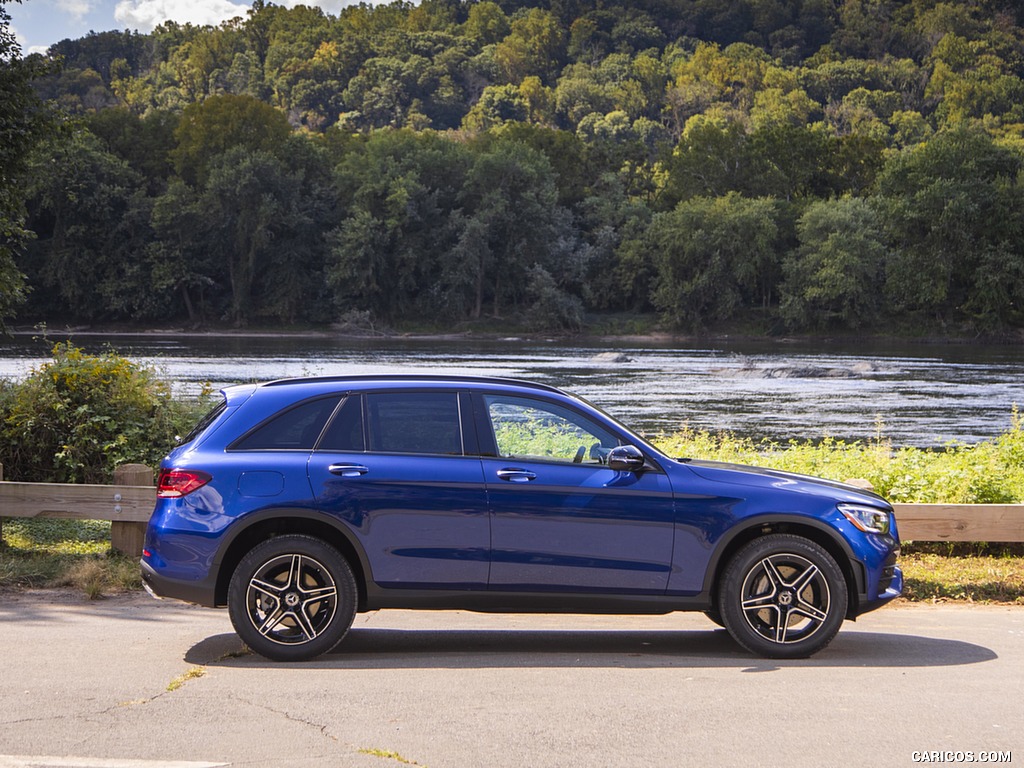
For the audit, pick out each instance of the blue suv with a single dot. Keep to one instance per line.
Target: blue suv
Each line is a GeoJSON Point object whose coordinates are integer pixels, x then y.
{"type": "Point", "coordinates": [299, 503]}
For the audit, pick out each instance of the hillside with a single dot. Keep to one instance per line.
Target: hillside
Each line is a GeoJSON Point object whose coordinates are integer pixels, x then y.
{"type": "Point", "coordinates": [776, 165]}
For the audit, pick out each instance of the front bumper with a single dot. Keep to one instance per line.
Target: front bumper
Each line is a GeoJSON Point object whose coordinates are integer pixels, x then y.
{"type": "Point", "coordinates": [894, 590]}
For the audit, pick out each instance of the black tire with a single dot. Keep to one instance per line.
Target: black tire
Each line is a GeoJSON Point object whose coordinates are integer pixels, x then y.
{"type": "Point", "coordinates": [783, 597]}
{"type": "Point", "coordinates": [715, 616]}
{"type": "Point", "coordinates": [292, 598]}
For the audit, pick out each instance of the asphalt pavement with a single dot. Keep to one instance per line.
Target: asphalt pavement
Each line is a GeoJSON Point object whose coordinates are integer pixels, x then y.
{"type": "Point", "coordinates": [132, 682]}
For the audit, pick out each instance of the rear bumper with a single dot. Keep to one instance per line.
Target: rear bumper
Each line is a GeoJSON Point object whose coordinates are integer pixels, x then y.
{"type": "Point", "coordinates": [196, 592]}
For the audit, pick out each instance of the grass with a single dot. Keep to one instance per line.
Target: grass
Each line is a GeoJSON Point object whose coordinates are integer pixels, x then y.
{"type": "Point", "coordinates": [42, 552]}
{"type": "Point", "coordinates": [964, 572]}
{"type": "Point", "coordinates": [387, 754]}
{"type": "Point", "coordinates": [180, 680]}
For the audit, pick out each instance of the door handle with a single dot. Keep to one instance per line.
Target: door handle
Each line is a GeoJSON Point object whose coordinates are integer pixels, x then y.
{"type": "Point", "coordinates": [516, 475]}
{"type": "Point", "coordinates": [348, 470]}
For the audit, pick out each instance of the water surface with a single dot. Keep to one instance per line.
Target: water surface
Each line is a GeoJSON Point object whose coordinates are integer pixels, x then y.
{"type": "Point", "coordinates": [923, 395]}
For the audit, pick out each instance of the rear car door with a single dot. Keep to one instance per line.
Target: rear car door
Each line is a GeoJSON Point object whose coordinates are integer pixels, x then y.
{"type": "Point", "coordinates": [561, 520]}
{"type": "Point", "coordinates": [396, 467]}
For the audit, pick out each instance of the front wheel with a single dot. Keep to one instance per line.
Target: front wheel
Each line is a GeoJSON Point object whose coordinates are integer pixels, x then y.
{"type": "Point", "coordinates": [292, 598]}
{"type": "Point", "coordinates": [783, 597]}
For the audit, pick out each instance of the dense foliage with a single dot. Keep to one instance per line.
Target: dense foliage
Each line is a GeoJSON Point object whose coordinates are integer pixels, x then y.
{"type": "Point", "coordinates": [989, 472]}
{"type": "Point", "coordinates": [781, 164]}
{"type": "Point", "coordinates": [24, 120]}
{"type": "Point", "coordinates": [77, 417]}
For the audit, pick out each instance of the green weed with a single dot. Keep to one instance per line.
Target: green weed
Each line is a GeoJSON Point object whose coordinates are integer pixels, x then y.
{"type": "Point", "coordinates": [990, 472]}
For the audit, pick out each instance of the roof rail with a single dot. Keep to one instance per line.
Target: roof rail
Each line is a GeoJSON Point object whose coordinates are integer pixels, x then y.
{"type": "Point", "coordinates": [412, 377]}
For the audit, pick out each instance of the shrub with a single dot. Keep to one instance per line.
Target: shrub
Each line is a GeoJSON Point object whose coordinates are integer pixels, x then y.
{"type": "Point", "coordinates": [78, 416]}
{"type": "Point", "coordinates": [989, 472]}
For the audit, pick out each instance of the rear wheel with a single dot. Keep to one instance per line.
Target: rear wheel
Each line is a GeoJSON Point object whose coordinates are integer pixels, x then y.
{"type": "Point", "coordinates": [292, 598]}
{"type": "Point", "coordinates": [783, 597]}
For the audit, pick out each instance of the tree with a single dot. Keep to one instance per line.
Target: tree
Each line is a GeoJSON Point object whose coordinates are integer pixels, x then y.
{"type": "Point", "coordinates": [24, 122]}
{"type": "Point", "coordinates": [712, 158]}
{"type": "Point", "coordinates": [185, 271]}
{"type": "Point", "coordinates": [487, 23]}
{"type": "Point", "coordinates": [260, 215]}
{"type": "Point", "coordinates": [512, 224]}
{"type": "Point", "coordinates": [210, 128]}
{"type": "Point", "coordinates": [952, 216]}
{"type": "Point", "coordinates": [91, 217]}
{"type": "Point", "coordinates": [393, 254]}
{"type": "Point", "coordinates": [710, 255]}
{"type": "Point", "coordinates": [249, 244]}
{"type": "Point", "coordinates": [534, 46]}
{"type": "Point", "coordinates": [834, 279]}
{"type": "Point", "coordinates": [145, 143]}
{"type": "Point", "coordinates": [498, 104]}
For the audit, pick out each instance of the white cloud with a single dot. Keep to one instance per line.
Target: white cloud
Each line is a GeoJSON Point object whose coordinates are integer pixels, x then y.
{"type": "Point", "coordinates": [144, 15]}
{"type": "Point", "coordinates": [22, 42]}
{"type": "Point", "coordinates": [77, 9]}
{"type": "Point", "coordinates": [331, 6]}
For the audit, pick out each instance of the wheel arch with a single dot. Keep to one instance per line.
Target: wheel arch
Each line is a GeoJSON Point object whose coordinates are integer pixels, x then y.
{"type": "Point", "coordinates": [797, 525]}
{"type": "Point", "coordinates": [271, 523]}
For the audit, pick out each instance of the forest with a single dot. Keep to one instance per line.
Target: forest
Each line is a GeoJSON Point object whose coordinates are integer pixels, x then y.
{"type": "Point", "coordinates": [764, 166]}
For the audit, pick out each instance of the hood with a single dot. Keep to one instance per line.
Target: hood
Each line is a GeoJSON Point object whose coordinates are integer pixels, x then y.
{"type": "Point", "coordinates": [760, 477]}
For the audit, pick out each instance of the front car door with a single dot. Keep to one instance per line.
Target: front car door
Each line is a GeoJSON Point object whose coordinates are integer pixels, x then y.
{"type": "Point", "coordinates": [561, 520]}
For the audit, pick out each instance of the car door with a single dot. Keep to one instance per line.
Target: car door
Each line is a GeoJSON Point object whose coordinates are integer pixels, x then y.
{"type": "Point", "coordinates": [394, 466]}
{"type": "Point", "coordinates": [561, 520]}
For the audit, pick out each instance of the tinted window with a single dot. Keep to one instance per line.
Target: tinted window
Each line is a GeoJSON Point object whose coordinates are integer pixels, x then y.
{"type": "Point", "coordinates": [526, 428]}
{"type": "Point", "coordinates": [291, 430]}
{"type": "Point", "coordinates": [345, 432]}
{"type": "Point", "coordinates": [414, 422]}
{"type": "Point", "coordinates": [204, 422]}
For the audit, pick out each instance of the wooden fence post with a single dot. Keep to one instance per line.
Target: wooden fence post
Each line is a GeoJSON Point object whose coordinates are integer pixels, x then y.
{"type": "Point", "coordinates": [129, 538]}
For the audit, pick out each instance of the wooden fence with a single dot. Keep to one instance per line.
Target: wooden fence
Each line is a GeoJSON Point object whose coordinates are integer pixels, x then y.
{"type": "Point", "coordinates": [129, 502]}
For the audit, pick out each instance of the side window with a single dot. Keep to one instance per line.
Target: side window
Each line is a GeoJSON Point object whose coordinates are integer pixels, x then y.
{"type": "Point", "coordinates": [291, 430]}
{"type": "Point", "coordinates": [345, 432]}
{"type": "Point", "coordinates": [535, 429]}
{"type": "Point", "coordinates": [202, 425]}
{"type": "Point", "coordinates": [414, 422]}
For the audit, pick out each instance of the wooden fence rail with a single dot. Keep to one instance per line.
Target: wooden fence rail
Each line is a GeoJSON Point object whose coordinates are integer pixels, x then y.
{"type": "Point", "coordinates": [960, 522]}
{"type": "Point", "coordinates": [129, 502]}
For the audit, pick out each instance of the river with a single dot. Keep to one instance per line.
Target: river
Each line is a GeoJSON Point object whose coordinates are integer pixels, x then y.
{"type": "Point", "coordinates": [916, 394]}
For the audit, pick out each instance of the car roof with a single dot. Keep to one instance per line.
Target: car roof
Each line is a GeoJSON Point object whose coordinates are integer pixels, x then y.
{"type": "Point", "coordinates": [405, 381]}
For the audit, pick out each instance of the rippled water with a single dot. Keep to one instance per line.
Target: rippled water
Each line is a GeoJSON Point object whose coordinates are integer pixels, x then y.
{"type": "Point", "coordinates": [924, 395]}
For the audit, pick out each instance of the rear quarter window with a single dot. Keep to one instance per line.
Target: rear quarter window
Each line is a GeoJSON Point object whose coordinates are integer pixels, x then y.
{"type": "Point", "coordinates": [295, 429]}
{"type": "Point", "coordinates": [204, 423]}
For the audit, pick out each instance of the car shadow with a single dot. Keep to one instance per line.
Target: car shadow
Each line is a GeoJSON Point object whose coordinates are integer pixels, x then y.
{"type": "Point", "coordinates": [374, 648]}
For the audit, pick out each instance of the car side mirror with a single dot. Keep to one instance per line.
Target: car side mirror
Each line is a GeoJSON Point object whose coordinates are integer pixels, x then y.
{"type": "Point", "coordinates": [626, 458]}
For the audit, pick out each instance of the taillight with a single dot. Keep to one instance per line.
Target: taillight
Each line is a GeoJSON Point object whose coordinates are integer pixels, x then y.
{"type": "Point", "coordinates": [175, 483]}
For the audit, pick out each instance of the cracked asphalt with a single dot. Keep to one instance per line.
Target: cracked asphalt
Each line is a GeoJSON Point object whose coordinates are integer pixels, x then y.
{"type": "Point", "coordinates": [90, 680]}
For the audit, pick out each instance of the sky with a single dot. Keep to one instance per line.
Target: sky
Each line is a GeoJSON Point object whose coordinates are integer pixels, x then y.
{"type": "Point", "coordinates": [38, 24]}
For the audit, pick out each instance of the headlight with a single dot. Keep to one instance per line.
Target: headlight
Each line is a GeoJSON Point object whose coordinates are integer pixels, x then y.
{"type": "Point", "coordinates": [867, 519]}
